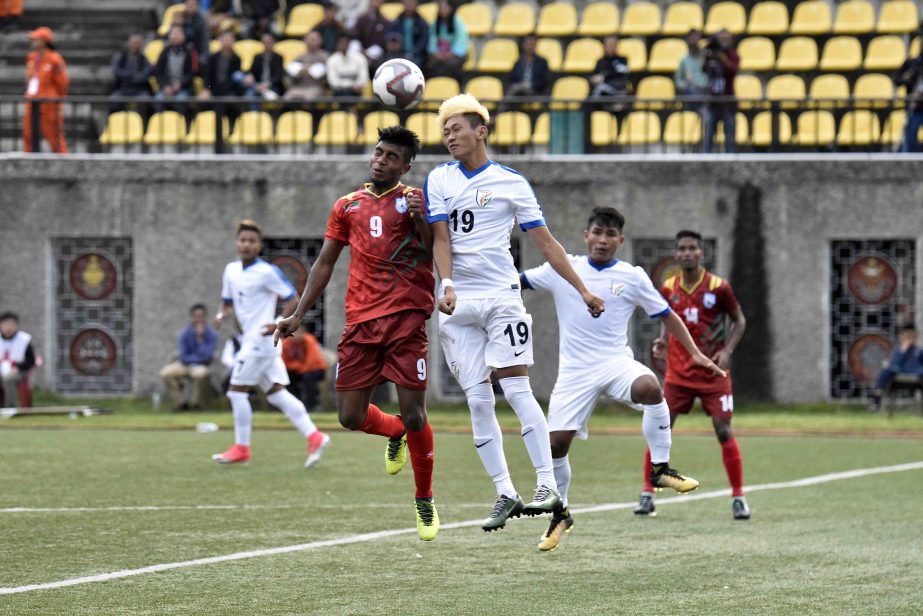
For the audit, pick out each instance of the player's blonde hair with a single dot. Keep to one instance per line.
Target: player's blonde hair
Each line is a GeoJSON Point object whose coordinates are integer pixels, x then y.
{"type": "Point", "coordinates": [249, 225]}
{"type": "Point", "coordinates": [462, 104]}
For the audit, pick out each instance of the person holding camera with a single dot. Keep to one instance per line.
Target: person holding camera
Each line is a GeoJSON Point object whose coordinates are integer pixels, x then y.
{"type": "Point", "coordinates": [721, 65]}
{"type": "Point", "coordinates": [911, 76]}
{"type": "Point", "coordinates": [690, 77]}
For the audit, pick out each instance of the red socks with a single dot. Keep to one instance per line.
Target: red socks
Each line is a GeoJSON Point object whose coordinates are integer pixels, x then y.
{"type": "Point", "coordinates": [420, 447]}
{"type": "Point", "coordinates": [730, 452]}
{"type": "Point", "coordinates": [647, 472]}
{"type": "Point", "coordinates": [382, 424]}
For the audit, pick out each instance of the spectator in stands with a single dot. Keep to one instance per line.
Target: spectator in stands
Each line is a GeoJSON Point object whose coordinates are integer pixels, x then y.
{"type": "Point", "coordinates": [177, 66]}
{"type": "Point", "coordinates": [197, 31]}
{"type": "Point", "coordinates": [530, 74]}
{"type": "Point", "coordinates": [309, 72]}
{"type": "Point", "coordinates": [721, 64]}
{"type": "Point", "coordinates": [197, 343]}
{"type": "Point", "coordinates": [415, 32]}
{"type": "Point", "coordinates": [329, 28]}
{"type": "Point", "coordinates": [690, 77]}
{"type": "Point", "coordinates": [347, 69]}
{"type": "Point", "coordinates": [17, 357]}
{"type": "Point", "coordinates": [131, 71]}
{"type": "Point", "coordinates": [265, 78]}
{"type": "Point", "coordinates": [906, 359]}
{"type": "Point", "coordinates": [910, 76]}
{"type": "Point", "coordinates": [394, 49]}
{"type": "Point", "coordinates": [222, 74]}
{"type": "Point", "coordinates": [222, 15]}
{"type": "Point", "coordinates": [10, 15]}
{"type": "Point", "coordinates": [448, 44]}
{"type": "Point", "coordinates": [370, 30]}
{"type": "Point", "coordinates": [306, 366]}
{"type": "Point", "coordinates": [610, 77]}
{"type": "Point", "coordinates": [46, 77]}
{"type": "Point", "coordinates": [259, 15]}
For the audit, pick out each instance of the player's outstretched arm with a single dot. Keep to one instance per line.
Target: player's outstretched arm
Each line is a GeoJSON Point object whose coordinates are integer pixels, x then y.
{"type": "Point", "coordinates": [557, 258]}
{"type": "Point", "coordinates": [318, 279]}
{"type": "Point", "coordinates": [442, 257]}
{"type": "Point", "coordinates": [675, 326]}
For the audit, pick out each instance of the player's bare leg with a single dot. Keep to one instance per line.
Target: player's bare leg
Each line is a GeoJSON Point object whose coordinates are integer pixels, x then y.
{"type": "Point", "coordinates": [419, 441]}
{"type": "Point", "coordinates": [294, 409]}
{"type": "Point", "coordinates": [561, 519]}
{"type": "Point", "coordinates": [730, 455]}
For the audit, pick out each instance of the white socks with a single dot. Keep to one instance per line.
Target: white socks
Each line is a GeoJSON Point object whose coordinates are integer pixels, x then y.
{"type": "Point", "coordinates": [487, 437]}
{"type": "Point", "coordinates": [655, 425]}
{"type": "Point", "coordinates": [518, 393]}
{"type": "Point", "coordinates": [294, 410]}
{"type": "Point", "coordinates": [562, 477]}
{"type": "Point", "coordinates": [243, 416]}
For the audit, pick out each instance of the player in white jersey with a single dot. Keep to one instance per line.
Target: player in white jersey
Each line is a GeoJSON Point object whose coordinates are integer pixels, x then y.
{"type": "Point", "coordinates": [252, 288]}
{"type": "Point", "coordinates": [472, 204]}
{"type": "Point", "coordinates": [595, 359]}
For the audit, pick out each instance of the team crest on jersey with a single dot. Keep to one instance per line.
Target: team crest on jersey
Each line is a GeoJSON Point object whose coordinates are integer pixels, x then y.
{"type": "Point", "coordinates": [618, 288]}
{"type": "Point", "coordinates": [483, 197]}
{"type": "Point", "coordinates": [400, 204]}
{"type": "Point", "coordinates": [351, 205]}
{"type": "Point", "coordinates": [708, 300]}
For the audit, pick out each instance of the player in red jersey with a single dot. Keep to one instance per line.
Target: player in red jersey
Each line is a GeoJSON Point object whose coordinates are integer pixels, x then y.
{"type": "Point", "coordinates": [389, 297]}
{"type": "Point", "coordinates": [705, 302]}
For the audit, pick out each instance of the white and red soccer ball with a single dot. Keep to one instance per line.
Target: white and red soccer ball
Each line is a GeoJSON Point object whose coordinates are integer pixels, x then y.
{"type": "Point", "coordinates": [398, 83]}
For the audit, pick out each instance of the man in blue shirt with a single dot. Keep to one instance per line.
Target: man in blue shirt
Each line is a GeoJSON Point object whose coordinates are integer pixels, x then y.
{"type": "Point", "coordinates": [197, 342]}
{"type": "Point", "coordinates": [415, 32]}
{"type": "Point", "coordinates": [906, 359]}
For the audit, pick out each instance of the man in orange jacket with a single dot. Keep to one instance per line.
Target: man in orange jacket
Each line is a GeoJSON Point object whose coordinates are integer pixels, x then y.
{"type": "Point", "coordinates": [305, 364]}
{"type": "Point", "coordinates": [10, 14]}
{"type": "Point", "coordinates": [46, 77]}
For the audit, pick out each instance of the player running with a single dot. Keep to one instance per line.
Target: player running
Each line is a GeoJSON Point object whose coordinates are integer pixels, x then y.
{"type": "Point", "coordinates": [602, 344]}
{"type": "Point", "coordinates": [252, 287]}
{"type": "Point", "coordinates": [471, 205]}
{"type": "Point", "coordinates": [704, 301]}
{"type": "Point", "coordinates": [389, 297]}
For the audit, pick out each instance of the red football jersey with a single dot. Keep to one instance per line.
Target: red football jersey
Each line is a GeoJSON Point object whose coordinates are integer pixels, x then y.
{"type": "Point", "coordinates": [390, 269]}
{"type": "Point", "coordinates": [703, 308]}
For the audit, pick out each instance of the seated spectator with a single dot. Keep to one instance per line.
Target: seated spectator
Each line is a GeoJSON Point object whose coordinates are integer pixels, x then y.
{"type": "Point", "coordinates": [10, 15]}
{"type": "Point", "coordinates": [222, 74]}
{"type": "Point", "coordinates": [530, 74]}
{"type": "Point", "coordinates": [906, 359]}
{"type": "Point", "coordinates": [610, 77]}
{"type": "Point", "coordinates": [448, 44]}
{"type": "Point", "coordinates": [394, 49]}
{"type": "Point", "coordinates": [197, 31]}
{"type": "Point", "coordinates": [721, 64]}
{"type": "Point", "coordinates": [259, 16]}
{"type": "Point", "coordinates": [17, 358]}
{"type": "Point", "coordinates": [347, 70]}
{"type": "Point", "coordinates": [910, 75]}
{"type": "Point", "coordinates": [306, 366]}
{"type": "Point", "coordinates": [415, 32]}
{"type": "Point", "coordinates": [177, 66]}
{"type": "Point", "coordinates": [222, 15]}
{"type": "Point", "coordinates": [197, 343]}
{"type": "Point", "coordinates": [690, 77]}
{"type": "Point", "coordinates": [329, 28]}
{"type": "Point", "coordinates": [309, 72]}
{"type": "Point", "coordinates": [131, 69]}
{"type": "Point", "coordinates": [266, 73]}
{"type": "Point", "coordinates": [370, 30]}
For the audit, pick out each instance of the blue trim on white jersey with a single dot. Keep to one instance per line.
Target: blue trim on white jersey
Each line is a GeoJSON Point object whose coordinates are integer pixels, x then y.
{"type": "Point", "coordinates": [227, 300]}
{"type": "Point", "coordinates": [471, 174]}
{"type": "Point", "coordinates": [437, 218]}
{"type": "Point", "coordinates": [661, 314]}
{"type": "Point", "coordinates": [282, 277]}
{"type": "Point", "coordinates": [600, 268]}
{"type": "Point", "coordinates": [524, 281]}
{"type": "Point", "coordinates": [531, 225]}
{"type": "Point", "coordinates": [431, 219]}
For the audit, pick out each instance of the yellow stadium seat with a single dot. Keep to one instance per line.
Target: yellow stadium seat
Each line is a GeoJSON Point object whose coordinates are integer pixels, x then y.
{"type": "Point", "coordinates": [391, 10]}
{"type": "Point", "coordinates": [153, 49]}
{"type": "Point", "coordinates": [683, 128]}
{"type": "Point", "coordinates": [582, 55]}
{"type": "Point", "coordinates": [167, 19]}
{"type": "Point", "coordinates": [654, 92]}
{"type": "Point", "coordinates": [214, 46]}
{"type": "Point", "coordinates": [873, 90]}
{"type": "Point", "coordinates": [811, 17]}
{"type": "Point", "coordinates": [748, 89]}
{"type": "Point", "coordinates": [893, 130]}
{"type": "Point", "coordinates": [641, 19]}
{"type": "Point", "coordinates": [515, 19]}
{"type": "Point", "coordinates": [337, 128]}
{"type": "Point", "coordinates": [303, 18]}
{"type": "Point", "coordinates": [830, 91]}
{"type": "Point", "coordinates": [761, 128]}
{"type": "Point", "coordinates": [426, 125]}
{"type": "Point", "coordinates": [741, 130]}
{"type": "Point", "coordinates": [898, 17]}
{"type": "Point", "coordinates": [666, 54]}
{"type": "Point", "coordinates": [797, 53]}
{"type": "Point", "coordinates": [757, 53]}
{"type": "Point", "coordinates": [636, 52]}
{"type": "Point", "coordinates": [599, 19]}
{"type": "Point", "coordinates": [477, 18]}
{"type": "Point", "coordinates": [290, 50]}
{"type": "Point", "coordinates": [854, 17]}
{"type": "Point", "coordinates": [788, 88]}
{"type": "Point", "coordinates": [498, 56]}
{"type": "Point", "coordinates": [550, 49]}
{"type": "Point", "coordinates": [247, 50]}
{"type": "Point", "coordinates": [252, 128]}
{"type": "Point", "coordinates": [428, 11]}
{"type": "Point", "coordinates": [858, 128]}
{"type": "Point", "coordinates": [123, 128]}
{"type": "Point", "coordinates": [511, 128]}
{"type": "Point", "coordinates": [885, 53]}
{"type": "Point", "coordinates": [604, 128]}
{"type": "Point", "coordinates": [438, 89]}
{"type": "Point", "coordinates": [915, 47]}
{"type": "Point", "coordinates": [375, 120]}
{"type": "Point", "coordinates": [769, 18]}
{"type": "Point", "coordinates": [202, 129]}
{"type": "Point", "coordinates": [681, 17]}
{"type": "Point", "coordinates": [471, 60]}
{"type": "Point", "coordinates": [541, 132]}
{"type": "Point", "coordinates": [294, 127]}
{"type": "Point", "coordinates": [165, 128]}
{"type": "Point", "coordinates": [639, 128]}
{"type": "Point", "coordinates": [569, 89]}
{"type": "Point", "coordinates": [488, 90]}
{"type": "Point", "coordinates": [841, 53]}
{"type": "Point", "coordinates": [557, 19]}
{"type": "Point", "coordinates": [728, 16]}
{"type": "Point", "coordinates": [816, 128]}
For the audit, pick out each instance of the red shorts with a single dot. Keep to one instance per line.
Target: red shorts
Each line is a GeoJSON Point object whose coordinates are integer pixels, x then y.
{"type": "Point", "coordinates": [718, 401]}
{"type": "Point", "coordinates": [389, 348]}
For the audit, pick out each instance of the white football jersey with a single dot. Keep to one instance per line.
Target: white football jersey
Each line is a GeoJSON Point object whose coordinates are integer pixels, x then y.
{"type": "Point", "coordinates": [480, 207]}
{"type": "Point", "coordinates": [254, 291]}
{"type": "Point", "coordinates": [585, 341]}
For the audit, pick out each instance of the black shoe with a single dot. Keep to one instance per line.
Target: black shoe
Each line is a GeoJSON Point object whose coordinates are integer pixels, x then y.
{"type": "Point", "coordinates": [646, 505]}
{"type": "Point", "coordinates": [504, 509]}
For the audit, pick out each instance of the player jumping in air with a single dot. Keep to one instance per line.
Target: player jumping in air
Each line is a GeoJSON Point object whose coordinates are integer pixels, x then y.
{"type": "Point", "coordinates": [595, 359]}
{"type": "Point", "coordinates": [389, 297]}
{"type": "Point", "coordinates": [471, 204]}
{"type": "Point", "coordinates": [252, 287]}
{"type": "Point", "coordinates": [705, 302]}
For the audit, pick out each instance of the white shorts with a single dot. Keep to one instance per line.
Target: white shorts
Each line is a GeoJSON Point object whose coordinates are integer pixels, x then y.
{"type": "Point", "coordinates": [484, 334]}
{"type": "Point", "coordinates": [253, 369]}
{"type": "Point", "coordinates": [577, 390]}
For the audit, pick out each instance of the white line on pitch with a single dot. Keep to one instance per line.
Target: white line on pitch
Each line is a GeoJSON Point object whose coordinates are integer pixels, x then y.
{"type": "Point", "coordinates": [364, 537]}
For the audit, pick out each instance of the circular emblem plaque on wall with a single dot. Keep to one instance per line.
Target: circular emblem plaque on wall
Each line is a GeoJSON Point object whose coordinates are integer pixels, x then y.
{"type": "Point", "coordinates": [93, 276]}
{"type": "Point", "coordinates": [867, 354]}
{"type": "Point", "coordinates": [872, 279]}
{"type": "Point", "coordinates": [293, 269]}
{"type": "Point", "coordinates": [93, 352]}
{"type": "Point", "coordinates": [663, 269]}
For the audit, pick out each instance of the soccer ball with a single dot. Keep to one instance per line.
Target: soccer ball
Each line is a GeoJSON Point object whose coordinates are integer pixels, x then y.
{"type": "Point", "coordinates": [398, 83]}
